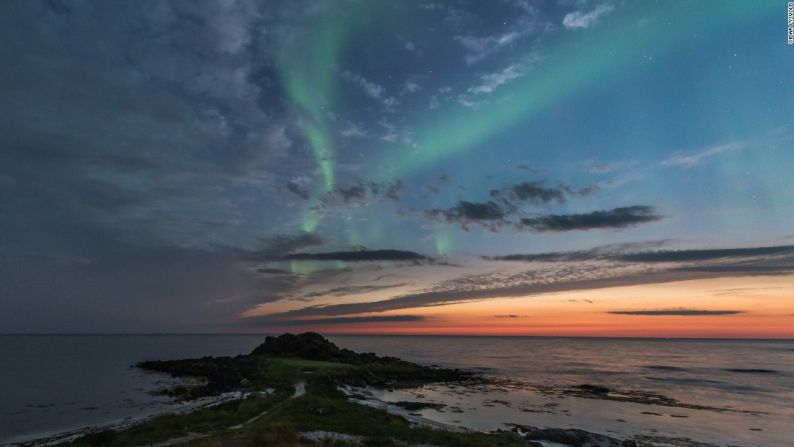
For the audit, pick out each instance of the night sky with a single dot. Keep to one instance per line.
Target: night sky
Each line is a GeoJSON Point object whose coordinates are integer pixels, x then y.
{"type": "Point", "coordinates": [553, 167]}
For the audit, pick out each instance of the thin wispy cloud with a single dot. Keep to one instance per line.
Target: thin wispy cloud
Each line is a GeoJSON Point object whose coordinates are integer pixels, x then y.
{"type": "Point", "coordinates": [692, 159]}
{"type": "Point", "coordinates": [571, 273]}
{"type": "Point", "coordinates": [492, 81]}
{"type": "Point", "coordinates": [264, 322]}
{"type": "Point", "coordinates": [585, 19]}
{"type": "Point", "coordinates": [675, 312]}
{"type": "Point", "coordinates": [358, 256]}
{"type": "Point", "coordinates": [371, 89]}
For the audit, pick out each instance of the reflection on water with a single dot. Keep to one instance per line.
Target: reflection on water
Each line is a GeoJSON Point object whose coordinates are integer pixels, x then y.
{"type": "Point", "coordinates": [756, 376]}
{"type": "Point", "coordinates": [732, 373]}
{"type": "Point", "coordinates": [51, 383]}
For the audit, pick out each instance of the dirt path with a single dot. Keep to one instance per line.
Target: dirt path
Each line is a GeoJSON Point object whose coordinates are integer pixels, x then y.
{"type": "Point", "coordinates": [300, 390]}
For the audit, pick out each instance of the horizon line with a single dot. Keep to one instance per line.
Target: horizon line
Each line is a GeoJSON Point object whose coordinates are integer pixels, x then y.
{"type": "Point", "coordinates": [389, 335]}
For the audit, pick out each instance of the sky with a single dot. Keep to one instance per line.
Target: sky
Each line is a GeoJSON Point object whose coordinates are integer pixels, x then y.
{"type": "Point", "coordinates": [510, 167]}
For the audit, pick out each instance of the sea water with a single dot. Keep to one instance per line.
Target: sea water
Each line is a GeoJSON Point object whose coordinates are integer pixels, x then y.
{"type": "Point", "coordinates": [52, 383]}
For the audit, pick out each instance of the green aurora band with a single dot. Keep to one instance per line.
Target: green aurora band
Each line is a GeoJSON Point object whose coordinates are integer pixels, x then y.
{"type": "Point", "coordinates": [583, 60]}
{"type": "Point", "coordinates": [578, 61]}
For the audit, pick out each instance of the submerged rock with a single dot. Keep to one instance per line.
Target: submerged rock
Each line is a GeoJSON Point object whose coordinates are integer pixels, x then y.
{"type": "Point", "coordinates": [573, 437]}
{"type": "Point", "coordinates": [414, 406]}
{"type": "Point", "coordinates": [593, 389]}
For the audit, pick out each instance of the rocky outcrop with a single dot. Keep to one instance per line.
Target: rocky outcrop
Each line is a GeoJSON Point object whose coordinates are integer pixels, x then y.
{"type": "Point", "coordinates": [571, 437]}
{"type": "Point", "coordinates": [221, 374]}
{"type": "Point", "coordinates": [312, 346]}
{"type": "Point", "coordinates": [231, 373]}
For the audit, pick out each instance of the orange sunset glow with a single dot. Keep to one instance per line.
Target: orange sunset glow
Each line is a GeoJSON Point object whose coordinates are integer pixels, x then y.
{"type": "Point", "coordinates": [751, 311]}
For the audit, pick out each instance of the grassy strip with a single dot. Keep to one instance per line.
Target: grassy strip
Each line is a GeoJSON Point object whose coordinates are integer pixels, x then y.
{"type": "Point", "coordinates": [323, 407]}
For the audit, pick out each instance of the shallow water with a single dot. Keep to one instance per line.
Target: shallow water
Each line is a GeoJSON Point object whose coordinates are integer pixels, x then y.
{"type": "Point", "coordinates": [744, 375]}
{"type": "Point", "coordinates": [53, 383]}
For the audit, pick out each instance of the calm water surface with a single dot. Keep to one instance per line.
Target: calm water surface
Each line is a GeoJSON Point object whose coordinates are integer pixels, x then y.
{"type": "Point", "coordinates": [53, 383]}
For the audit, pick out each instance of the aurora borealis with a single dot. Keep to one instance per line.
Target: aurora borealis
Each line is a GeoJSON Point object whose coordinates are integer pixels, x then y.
{"type": "Point", "coordinates": [554, 167]}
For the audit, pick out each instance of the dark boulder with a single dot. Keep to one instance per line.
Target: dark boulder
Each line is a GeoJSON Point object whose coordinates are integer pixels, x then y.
{"type": "Point", "coordinates": [313, 346]}
{"type": "Point", "coordinates": [221, 373]}
{"type": "Point", "coordinates": [309, 345]}
{"type": "Point", "coordinates": [572, 437]}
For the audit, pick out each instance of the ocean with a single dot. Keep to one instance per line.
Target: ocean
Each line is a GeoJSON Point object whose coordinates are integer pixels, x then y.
{"type": "Point", "coordinates": [54, 383]}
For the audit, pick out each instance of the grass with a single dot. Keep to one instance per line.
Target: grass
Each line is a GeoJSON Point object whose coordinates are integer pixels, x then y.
{"type": "Point", "coordinates": [323, 407]}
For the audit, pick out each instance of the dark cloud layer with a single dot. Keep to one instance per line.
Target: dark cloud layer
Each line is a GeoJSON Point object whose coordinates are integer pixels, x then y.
{"type": "Point", "coordinates": [508, 201]}
{"type": "Point", "coordinates": [616, 218]}
{"type": "Point", "coordinates": [298, 190]}
{"type": "Point", "coordinates": [486, 288]}
{"type": "Point", "coordinates": [534, 192]}
{"type": "Point", "coordinates": [489, 214]}
{"type": "Point", "coordinates": [538, 193]}
{"type": "Point", "coordinates": [676, 312]}
{"type": "Point", "coordinates": [359, 256]}
{"type": "Point", "coordinates": [263, 322]}
{"type": "Point", "coordinates": [362, 193]}
{"type": "Point", "coordinates": [706, 254]}
{"type": "Point", "coordinates": [648, 252]}
{"type": "Point", "coordinates": [280, 245]}
{"type": "Point", "coordinates": [348, 290]}
{"type": "Point", "coordinates": [570, 275]}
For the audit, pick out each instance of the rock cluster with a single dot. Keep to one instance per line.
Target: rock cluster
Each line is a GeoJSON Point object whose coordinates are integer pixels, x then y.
{"type": "Point", "coordinates": [313, 346]}
{"type": "Point", "coordinates": [224, 374]}
{"type": "Point", "coordinates": [221, 374]}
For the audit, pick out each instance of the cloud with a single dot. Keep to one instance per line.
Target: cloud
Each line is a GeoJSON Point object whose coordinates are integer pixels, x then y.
{"type": "Point", "coordinates": [280, 245]}
{"type": "Point", "coordinates": [616, 218]}
{"type": "Point", "coordinates": [270, 271]}
{"type": "Point", "coordinates": [534, 192]}
{"type": "Point", "coordinates": [582, 20]}
{"type": "Point", "coordinates": [647, 252]}
{"type": "Point", "coordinates": [494, 214]}
{"type": "Point", "coordinates": [363, 193]}
{"type": "Point", "coordinates": [266, 322]}
{"type": "Point", "coordinates": [492, 81]}
{"type": "Point", "coordinates": [355, 193]}
{"type": "Point", "coordinates": [752, 261]}
{"type": "Point", "coordinates": [481, 47]}
{"type": "Point", "coordinates": [676, 312]}
{"type": "Point", "coordinates": [610, 251]}
{"type": "Point", "coordinates": [706, 254]}
{"type": "Point", "coordinates": [410, 87]}
{"type": "Point", "coordinates": [298, 190]}
{"type": "Point", "coordinates": [371, 89]}
{"type": "Point", "coordinates": [744, 268]}
{"type": "Point", "coordinates": [489, 214]}
{"type": "Point", "coordinates": [349, 290]}
{"type": "Point", "coordinates": [359, 256]}
{"type": "Point", "coordinates": [509, 316]}
{"type": "Point", "coordinates": [693, 159]}
{"type": "Point", "coordinates": [127, 287]}
{"type": "Point", "coordinates": [595, 167]}
{"type": "Point", "coordinates": [597, 268]}
{"type": "Point", "coordinates": [483, 287]}
{"type": "Point", "coordinates": [353, 130]}
{"type": "Point", "coordinates": [527, 22]}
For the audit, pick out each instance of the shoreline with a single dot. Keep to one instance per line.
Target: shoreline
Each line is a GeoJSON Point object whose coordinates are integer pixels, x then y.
{"type": "Point", "coordinates": [355, 334]}
{"type": "Point", "coordinates": [58, 437]}
{"type": "Point", "coordinates": [466, 402]}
